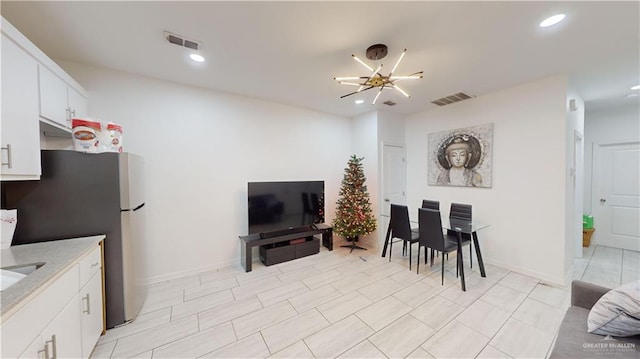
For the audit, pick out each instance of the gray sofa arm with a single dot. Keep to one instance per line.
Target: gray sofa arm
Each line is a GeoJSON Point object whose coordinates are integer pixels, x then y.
{"type": "Point", "coordinates": [585, 295]}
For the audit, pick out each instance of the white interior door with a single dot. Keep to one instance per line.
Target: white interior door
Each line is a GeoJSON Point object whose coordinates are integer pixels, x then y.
{"type": "Point", "coordinates": [393, 184]}
{"type": "Point", "coordinates": [618, 196]}
{"type": "Point", "coordinates": [393, 178]}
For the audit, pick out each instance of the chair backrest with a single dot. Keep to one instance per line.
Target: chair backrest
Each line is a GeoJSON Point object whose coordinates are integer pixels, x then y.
{"type": "Point", "coordinates": [400, 226]}
{"type": "Point", "coordinates": [430, 227]}
{"type": "Point", "coordinates": [459, 210]}
{"type": "Point", "coordinates": [431, 204]}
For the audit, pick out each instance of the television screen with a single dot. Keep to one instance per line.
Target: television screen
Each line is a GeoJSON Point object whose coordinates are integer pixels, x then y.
{"type": "Point", "coordinates": [277, 206]}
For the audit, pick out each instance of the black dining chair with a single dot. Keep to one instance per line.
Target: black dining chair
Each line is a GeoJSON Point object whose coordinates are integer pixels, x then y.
{"type": "Point", "coordinates": [462, 211]}
{"type": "Point", "coordinates": [432, 236]}
{"type": "Point", "coordinates": [401, 228]}
{"type": "Point", "coordinates": [426, 203]}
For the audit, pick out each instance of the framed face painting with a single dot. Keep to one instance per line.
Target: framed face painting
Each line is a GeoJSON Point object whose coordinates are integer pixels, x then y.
{"type": "Point", "coordinates": [461, 157]}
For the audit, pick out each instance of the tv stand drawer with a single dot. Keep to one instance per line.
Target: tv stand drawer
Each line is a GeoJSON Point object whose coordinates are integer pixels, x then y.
{"type": "Point", "coordinates": [284, 251]}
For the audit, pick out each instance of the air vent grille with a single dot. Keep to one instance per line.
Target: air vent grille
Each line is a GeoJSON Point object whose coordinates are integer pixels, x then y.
{"type": "Point", "coordinates": [181, 41]}
{"type": "Point", "coordinates": [389, 103]}
{"type": "Point", "coordinates": [456, 97]}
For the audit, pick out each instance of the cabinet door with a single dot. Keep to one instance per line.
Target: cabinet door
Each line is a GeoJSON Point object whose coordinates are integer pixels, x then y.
{"type": "Point", "coordinates": [53, 97]}
{"type": "Point", "coordinates": [91, 309]}
{"type": "Point", "coordinates": [20, 123]}
{"type": "Point", "coordinates": [62, 336]}
{"type": "Point", "coordinates": [77, 103]}
{"type": "Point", "coordinates": [34, 350]}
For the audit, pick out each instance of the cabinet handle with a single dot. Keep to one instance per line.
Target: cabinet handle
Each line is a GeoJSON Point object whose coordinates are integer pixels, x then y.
{"type": "Point", "coordinates": [54, 350]}
{"type": "Point", "coordinates": [44, 350]}
{"type": "Point", "coordinates": [8, 163]}
{"type": "Point", "coordinates": [95, 264]}
{"type": "Point", "coordinates": [86, 297]}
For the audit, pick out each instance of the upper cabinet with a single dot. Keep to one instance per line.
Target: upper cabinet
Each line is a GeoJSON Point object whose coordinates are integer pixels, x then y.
{"type": "Point", "coordinates": [20, 126]}
{"type": "Point", "coordinates": [59, 102]}
{"type": "Point", "coordinates": [34, 90]}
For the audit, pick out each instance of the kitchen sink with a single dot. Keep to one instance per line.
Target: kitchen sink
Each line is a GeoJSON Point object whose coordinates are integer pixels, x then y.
{"type": "Point", "coordinates": [11, 275]}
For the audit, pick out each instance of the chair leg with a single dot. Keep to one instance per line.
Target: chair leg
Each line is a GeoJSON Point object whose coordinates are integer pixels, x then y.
{"type": "Point", "coordinates": [442, 270]}
{"type": "Point", "coordinates": [418, 261]}
{"type": "Point", "coordinates": [410, 255]}
{"type": "Point", "coordinates": [390, 248]}
{"type": "Point", "coordinates": [470, 255]}
{"type": "Point", "coordinates": [431, 257]}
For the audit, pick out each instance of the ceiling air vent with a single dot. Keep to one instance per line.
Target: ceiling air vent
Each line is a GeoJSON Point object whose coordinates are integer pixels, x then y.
{"type": "Point", "coordinates": [181, 41]}
{"type": "Point", "coordinates": [389, 103]}
{"type": "Point", "coordinates": [456, 97]}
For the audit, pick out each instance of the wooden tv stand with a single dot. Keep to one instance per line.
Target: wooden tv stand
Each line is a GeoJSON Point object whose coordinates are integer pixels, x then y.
{"type": "Point", "coordinates": [254, 240]}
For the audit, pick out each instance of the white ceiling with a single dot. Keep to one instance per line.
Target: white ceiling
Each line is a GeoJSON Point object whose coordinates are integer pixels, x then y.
{"type": "Point", "coordinates": [289, 52]}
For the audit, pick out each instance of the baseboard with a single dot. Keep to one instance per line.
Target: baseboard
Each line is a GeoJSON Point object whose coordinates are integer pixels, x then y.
{"type": "Point", "coordinates": [568, 277]}
{"type": "Point", "coordinates": [194, 271]}
{"type": "Point", "coordinates": [524, 271]}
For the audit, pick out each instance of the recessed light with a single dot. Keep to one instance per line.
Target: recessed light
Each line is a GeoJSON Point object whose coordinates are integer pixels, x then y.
{"type": "Point", "coordinates": [359, 102]}
{"type": "Point", "coordinates": [636, 87]}
{"type": "Point", "coordinates": [552, 20]}
{"type": "Point", "coordinates": [632, 95]}
{"type": "Point", "coordinates": [196, 58]}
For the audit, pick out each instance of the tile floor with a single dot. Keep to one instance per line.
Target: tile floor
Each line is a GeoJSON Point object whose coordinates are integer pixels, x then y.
{"type": "Point", "coordinates": [358, 305]}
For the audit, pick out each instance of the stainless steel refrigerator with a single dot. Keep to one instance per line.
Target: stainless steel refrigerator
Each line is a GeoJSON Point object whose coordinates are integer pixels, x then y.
{"type": "Point", "coordinates": [82, 194]}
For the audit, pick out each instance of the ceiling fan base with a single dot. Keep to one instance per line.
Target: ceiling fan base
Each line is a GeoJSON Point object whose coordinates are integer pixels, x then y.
{"type": "Point", "coordinates": [376, 52]}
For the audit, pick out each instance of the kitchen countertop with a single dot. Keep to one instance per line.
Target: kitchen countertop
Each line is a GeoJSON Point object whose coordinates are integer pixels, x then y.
{"type": "Point", "coordinates": [57, 255]}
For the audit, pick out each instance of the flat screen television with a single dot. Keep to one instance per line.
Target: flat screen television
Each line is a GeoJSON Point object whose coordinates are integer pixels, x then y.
{"type": "Point", "coordinates": [279, 207]}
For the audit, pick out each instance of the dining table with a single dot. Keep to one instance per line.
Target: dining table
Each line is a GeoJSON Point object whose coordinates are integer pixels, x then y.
{"type": "Point", "coordinates": [460, 226]}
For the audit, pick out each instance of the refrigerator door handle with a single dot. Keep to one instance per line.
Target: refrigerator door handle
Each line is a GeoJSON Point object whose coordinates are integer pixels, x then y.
{"type": "Point", "coordinates": [132, 210]}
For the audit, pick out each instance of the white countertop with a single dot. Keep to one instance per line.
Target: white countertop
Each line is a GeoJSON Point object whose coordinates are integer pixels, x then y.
{"type": "Point", "coordinates": [57, 255]}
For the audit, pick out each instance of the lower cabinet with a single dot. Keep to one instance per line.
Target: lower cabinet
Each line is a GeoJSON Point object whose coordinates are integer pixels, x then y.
{"type": "Point", "coordinates": [60, 338]}
{"type": "Point", "coordinates": [91, 309]}
{"type": "Point", "coordinates": [64, 321]}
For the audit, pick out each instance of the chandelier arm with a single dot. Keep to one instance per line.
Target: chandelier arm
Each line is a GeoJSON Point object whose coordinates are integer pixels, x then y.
{"type": "Point", "coordinates": [417, 75]}
{"type": "Point", "coordinates": [350, 78]}
{"type": "Point", "coordinates": [398, 62]}
{"type": "Point", "coordinates": [355, 92]}
{"type": "Point", "coordinates": [377, 95]}
{"type": "Point", "coordinates": [401, 90]}
{"type": "Point", "coordinates": [362, 63]}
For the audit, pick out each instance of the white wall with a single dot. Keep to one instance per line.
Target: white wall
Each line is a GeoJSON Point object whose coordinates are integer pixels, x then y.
{"type": "Point", "coordinates": [526, 205]}
{"type": "Point", "coordinates": [574, 178]}
{"type": "Point", "coordinates": [201, 148]}
{"type": "Point", "coordinates": [609, 126]}
{"type": "Point", "coordinates": [364, 135]}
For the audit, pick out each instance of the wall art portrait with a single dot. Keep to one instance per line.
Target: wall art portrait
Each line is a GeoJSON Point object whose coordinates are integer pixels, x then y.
{"type": "Point", "coordinates": [461, 157]}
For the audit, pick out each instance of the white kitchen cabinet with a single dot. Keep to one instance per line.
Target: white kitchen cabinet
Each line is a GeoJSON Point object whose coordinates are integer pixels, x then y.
{"type": "Point", "coordinates": [63, 320]}
{"type": "Point", "coordinates": [91, 300]}
{"type": "Point", "coordinates": [20, 123]}
{"type": "Point", "coordinates": [77, 103]}
{"type": "Point", "coordinates": [91, 309]}
{"type": "Point", "coordinates": [35, 350]}
{"type": "Point", "coordinates": [61, 336]}
{"type": "Point", "coordinates": [59, 102]}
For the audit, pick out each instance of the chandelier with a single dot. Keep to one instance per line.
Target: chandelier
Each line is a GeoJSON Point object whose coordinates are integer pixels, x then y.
{"type": "Point", "coordinates": [375, 78]}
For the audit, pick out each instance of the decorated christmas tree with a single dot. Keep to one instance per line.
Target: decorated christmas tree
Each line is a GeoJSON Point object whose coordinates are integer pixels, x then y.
{"type": "Point", "coordinates": [354, 216]}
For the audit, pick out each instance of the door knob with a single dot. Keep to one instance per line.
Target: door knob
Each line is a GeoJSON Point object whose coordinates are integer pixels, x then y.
{"type": "Point", "coordinates": [387, 200]}
{"type": "Point", "coordinates": [602, 200]}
